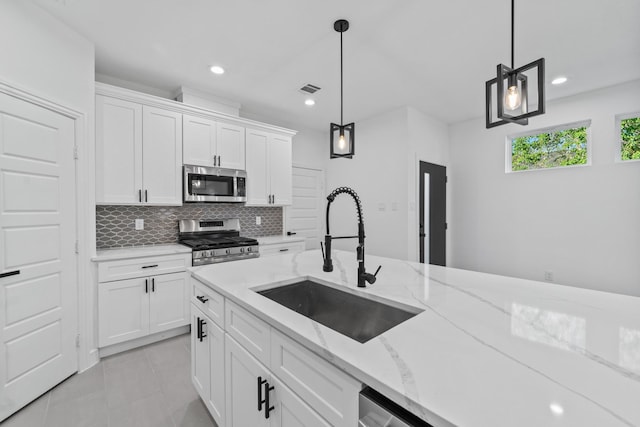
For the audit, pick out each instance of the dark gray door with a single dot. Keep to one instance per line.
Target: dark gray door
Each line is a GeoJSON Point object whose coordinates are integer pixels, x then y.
{"type": "Point", "coordinates": [433, 225]}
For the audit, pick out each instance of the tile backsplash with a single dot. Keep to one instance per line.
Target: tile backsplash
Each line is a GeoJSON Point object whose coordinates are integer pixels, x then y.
{"type": "Point", "coordinates": [115, 225]}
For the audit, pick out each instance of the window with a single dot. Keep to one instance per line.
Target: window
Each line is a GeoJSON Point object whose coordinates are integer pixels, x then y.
{"type": "Point", "coordinates": [559, 146]}
{"type": "Point", "coordinates": [629, 136]}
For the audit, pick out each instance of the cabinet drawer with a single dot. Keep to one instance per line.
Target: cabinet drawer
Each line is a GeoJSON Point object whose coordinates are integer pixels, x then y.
{"type": "Point", "coordinates": [142, 267]}
{"type": "Point", "coordinates": [281, 248]}
{"type": "Point", "coordinates": [331, 392]}
{"type": "Point", "coordinates": [251, 332]}
{"type": "Point", "coordinates": [209, 301]}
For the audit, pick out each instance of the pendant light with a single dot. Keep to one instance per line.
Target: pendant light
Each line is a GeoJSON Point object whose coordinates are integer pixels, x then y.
{"type": "Point", "coordinates": [512, 90]}
{"type": "Point", "coordinates": [342, 140]}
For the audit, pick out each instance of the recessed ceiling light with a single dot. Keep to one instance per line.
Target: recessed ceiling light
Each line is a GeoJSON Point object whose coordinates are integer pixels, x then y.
{"type": "Point", "coordinates": [556, 409]}
{"type": "Point", "coordinates": [309, 102]}
{"type": "Point", "coordinates": [216, 69]}
{"type": "Point", "coordinates": [559, 80]}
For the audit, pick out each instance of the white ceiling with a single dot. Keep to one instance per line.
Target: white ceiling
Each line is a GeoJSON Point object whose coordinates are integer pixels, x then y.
{"type": "Point", "coordinates": [432, 55]}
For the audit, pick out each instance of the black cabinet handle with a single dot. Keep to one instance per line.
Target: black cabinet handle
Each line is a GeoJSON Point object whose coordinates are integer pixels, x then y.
{"type": "Point", "coordinates": [9, 273]}
{"type": "Point", "coordinates": [201, 334]}
{"type": "Point", "coordinates": [268, 408]}
{"type": "Point", "coordinates": [261, 401]}
{"type": "Point", "coordinates": [140, 195]}
{"type": "Point", "coordinates": [219, 161]}
{"type": "Point", "coordinates": [145, 196]}
{"type": "Point", "coordinates": [153, 284]}
{"type": "Point", "coordinates": [149, 266]}
{"type": "Point", "coordinates": [291, 233]}
{"type": "Point", "coordinates": [284, 250]}
{"type": "Point", "coordinates": [146, 286]}
{"type": "Point", "coordinates": [202, 298]}
{"type": "Point", "coordinates": [198, 329]}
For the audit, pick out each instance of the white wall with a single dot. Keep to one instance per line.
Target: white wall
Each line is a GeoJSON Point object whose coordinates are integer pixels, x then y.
{"type": "Point", "coordinates": [377, 173]}
{"type": "Point", "coordinates": [580, 223]}
{"type": "Point", "coordinates": [45, 58]}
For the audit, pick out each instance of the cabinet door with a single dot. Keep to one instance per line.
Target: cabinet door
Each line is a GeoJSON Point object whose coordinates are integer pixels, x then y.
{"type": "Point", "coordinates": [258, 184]}
{"type": "Point", "coordinates": [290, 411]}
{"type": "Point", "coordinates": [217, 401]}
{"type": "Point", "coordinates": [242, 387]}
{"type": "Point", "coordinates": [169, 301]}
{"type": "Point", "coordinates": [199, 141]}
{"type": "Point", "coordinates": [230, 146]}
{"type": "Point", "coordinates": [123, 310]}
{"type": "Point", "coordinates": [200, 356]}
{"type": "Point", "coordinates": [162, 156]}
{"type": "Point", "coordinates": [280, 169]}
{"type": "Point", "coordinates": [118, 151]}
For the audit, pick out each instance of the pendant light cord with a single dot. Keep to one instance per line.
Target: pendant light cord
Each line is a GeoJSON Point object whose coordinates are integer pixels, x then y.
{"type": "Point", "coordinates": [512, 34]}
{"type": "Point", "coordinates": [341, 91]}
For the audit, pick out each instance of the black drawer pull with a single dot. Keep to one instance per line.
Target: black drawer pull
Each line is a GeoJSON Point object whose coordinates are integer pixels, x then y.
{"type": "Point", "coordinates": [284, 250]}
{"type": "Point", "coordinates": [10, 273]}
{"type": "Point", "coordinates": [149, 266]}
{"type": "Point", "coordinates": [202, 298]}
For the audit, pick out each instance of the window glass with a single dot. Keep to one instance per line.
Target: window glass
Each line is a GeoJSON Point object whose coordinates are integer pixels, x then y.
{"type": "Point", "coordinates": [562, 146]}
{"type": "Point", "coordinates": [630, 138]}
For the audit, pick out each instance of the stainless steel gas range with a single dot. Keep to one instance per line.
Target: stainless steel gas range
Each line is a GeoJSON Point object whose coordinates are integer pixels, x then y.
{"type": "Point", "coordinates": [214, 241]}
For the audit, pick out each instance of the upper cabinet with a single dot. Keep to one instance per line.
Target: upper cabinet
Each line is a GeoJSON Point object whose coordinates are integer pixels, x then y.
{"type": "Point", "coordinates": [138, 154]}
{"type": "Point", "coordinates": [269, 169]}
{"type": "Point", "coordinates": [210, 143]}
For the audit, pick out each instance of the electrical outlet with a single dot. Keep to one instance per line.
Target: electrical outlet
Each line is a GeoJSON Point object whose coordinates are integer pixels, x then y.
{"type": "Point", "coordinates": [139, 224]}
{"type": "Point", "coordinates": [258, 220]}
{"type": "Point", "coordinates": [548, 276]}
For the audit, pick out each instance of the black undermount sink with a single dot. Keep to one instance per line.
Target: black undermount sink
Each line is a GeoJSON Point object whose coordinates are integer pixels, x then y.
{"type": "Point", "coordinates": [358, 317]}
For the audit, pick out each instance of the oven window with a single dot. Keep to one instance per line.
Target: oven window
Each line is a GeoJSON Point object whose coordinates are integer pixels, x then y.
{"type": "Point", "coordinates": [210, 185]}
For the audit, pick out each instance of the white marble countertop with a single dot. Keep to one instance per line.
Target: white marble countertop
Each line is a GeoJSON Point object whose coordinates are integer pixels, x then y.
{"type": "Point", "coordinates": [112, 254]}
{"type": "Point", "coordinates": [487, 350]}
{"type": "Point", "coordinates": [271, 240]}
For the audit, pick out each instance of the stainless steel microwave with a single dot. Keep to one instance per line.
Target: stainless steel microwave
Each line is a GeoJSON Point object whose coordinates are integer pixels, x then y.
{"type": "Point", "coordinates": [204, 184]}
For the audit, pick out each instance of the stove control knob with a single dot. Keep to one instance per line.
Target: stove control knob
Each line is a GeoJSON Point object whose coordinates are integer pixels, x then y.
{"type": "Point", "coordinates": [241, 250]}
{"type": "Point", "coordinates": [249, 249]}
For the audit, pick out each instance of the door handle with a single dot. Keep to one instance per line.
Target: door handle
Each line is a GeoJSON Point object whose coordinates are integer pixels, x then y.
{"type": "Point", "coordinates": [261, 401]}
{"type": "Point", "coordinates": [291, 233]}
{"type": "Point", "coordinates": [268, 408]}
{"type": "Point", "coordinates": [201, 323]}
{"type": "Point", "coordinates": [10, 273]}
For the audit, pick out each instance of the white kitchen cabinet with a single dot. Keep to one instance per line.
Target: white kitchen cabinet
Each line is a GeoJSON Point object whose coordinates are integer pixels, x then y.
{"type": "Point", "coordinates": [207, 363]}
{"type": "Point", "coordinates": [269, 249]}
{"type": "Point", "coordinates": [213, 144]}
{"type": "Point", "coordinates": [269, 169]}
{"type": "Point", "coordinates": [138, 154]}
{"type": "Point", "coordinates": [291, 411]}
{"type": "Point", "coordinates": [244, 375]}
{"type": "Point", "coordinates": [143, 301]}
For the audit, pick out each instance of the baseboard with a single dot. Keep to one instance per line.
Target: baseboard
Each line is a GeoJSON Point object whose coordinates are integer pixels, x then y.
{"type": "Point", "coordinates": [139, 342]}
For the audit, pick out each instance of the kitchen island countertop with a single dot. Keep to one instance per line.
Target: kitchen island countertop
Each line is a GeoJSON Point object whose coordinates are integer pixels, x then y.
{"type": "Point", "coordinates": [486, 351]}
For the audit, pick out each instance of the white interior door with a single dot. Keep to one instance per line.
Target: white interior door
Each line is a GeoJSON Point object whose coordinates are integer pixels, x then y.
{"type": "Point", "coordinates": [305, 215]}
{"type": "Point", "coordinates": [38, 319]}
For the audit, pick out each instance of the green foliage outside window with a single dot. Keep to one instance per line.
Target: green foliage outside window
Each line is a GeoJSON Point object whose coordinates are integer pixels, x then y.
{"type": "Point", "coordinates": [630, 133]}
{"type": "Point", "coordinates": [550, 149]}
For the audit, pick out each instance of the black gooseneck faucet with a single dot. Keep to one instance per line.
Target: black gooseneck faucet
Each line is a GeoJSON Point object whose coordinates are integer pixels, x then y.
{"type": "Point", "coordinates": [363, 276]}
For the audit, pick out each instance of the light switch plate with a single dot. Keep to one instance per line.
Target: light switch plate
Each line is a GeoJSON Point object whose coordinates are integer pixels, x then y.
{"type": "Point", "coordinates": [139, 224]}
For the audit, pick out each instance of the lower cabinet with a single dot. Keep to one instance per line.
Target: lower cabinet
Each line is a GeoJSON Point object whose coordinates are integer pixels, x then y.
{"type": "Point", "coordinates": [134, 308]}
{"type": "Point", "coordinates": [250, 374]}
{"type": "Point", "coordinates": [257, 398]}
{"type": "Point", "coordinates": [207, 363]}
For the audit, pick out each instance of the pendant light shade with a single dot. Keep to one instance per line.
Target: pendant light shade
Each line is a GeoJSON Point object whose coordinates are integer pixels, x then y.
{"type": "Point", "coordinates": [509, 95]}
{"type": "Point", "coordinates": [342, 137]}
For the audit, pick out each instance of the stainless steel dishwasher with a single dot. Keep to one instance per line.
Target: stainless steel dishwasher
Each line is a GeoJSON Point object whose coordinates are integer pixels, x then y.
{"type": "Point", "coordinates": [378, 411]}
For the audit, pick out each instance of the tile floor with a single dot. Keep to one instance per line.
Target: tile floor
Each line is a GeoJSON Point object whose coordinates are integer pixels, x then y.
{"type": "Point", "coordinates": [146, 387]}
